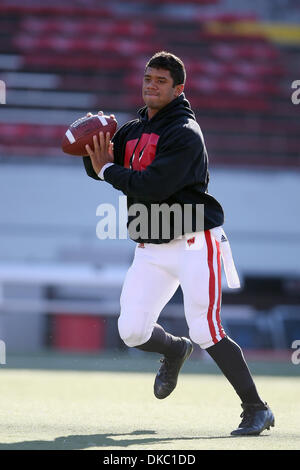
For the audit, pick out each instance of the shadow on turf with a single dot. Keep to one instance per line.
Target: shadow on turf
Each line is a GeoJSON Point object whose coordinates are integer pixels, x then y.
{"type": "Point", "coordinates": [80, 442]}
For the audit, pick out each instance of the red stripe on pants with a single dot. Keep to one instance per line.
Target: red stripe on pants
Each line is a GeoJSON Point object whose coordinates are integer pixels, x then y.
{"type": "Point", "coordinates": [221, 331]}
{"type": "Point", "coordinates": [212, 282]}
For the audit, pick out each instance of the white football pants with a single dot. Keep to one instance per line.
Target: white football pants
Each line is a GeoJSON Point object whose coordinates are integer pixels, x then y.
{"type": "Point", "coordinates": [194, 263]}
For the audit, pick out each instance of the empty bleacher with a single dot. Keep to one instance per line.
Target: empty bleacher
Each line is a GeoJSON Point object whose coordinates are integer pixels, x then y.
{"type": "Point", "coordinates": [60, 61]}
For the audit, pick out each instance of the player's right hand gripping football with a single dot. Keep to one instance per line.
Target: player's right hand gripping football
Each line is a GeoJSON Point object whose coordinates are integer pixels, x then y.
{"type": "Point", "coordinates": [103, 151]}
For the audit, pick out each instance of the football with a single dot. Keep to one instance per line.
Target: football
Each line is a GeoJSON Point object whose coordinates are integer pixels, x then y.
{"type": "Point", "coordinates": [81, 133]}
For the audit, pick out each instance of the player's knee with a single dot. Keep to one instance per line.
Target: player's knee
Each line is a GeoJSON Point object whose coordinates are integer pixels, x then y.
{"type": "Point", "coordinates": [201, 334]}
{"type": "Point", "coordinates": [132, 334]}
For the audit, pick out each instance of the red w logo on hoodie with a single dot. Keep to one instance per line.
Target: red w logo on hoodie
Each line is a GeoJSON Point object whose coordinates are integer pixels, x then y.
{"type": "Point", "coordinates": [141, 150]}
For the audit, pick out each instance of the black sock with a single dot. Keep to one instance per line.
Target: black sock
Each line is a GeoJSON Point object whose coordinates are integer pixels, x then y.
{"type": "Point", "coordinates": [230, 359]}
{"type": "Point", "coordinates": [163, 343]}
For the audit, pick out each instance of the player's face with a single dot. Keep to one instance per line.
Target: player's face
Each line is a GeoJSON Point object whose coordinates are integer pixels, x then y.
{"type": "Point", "coordinates": [158, 88]}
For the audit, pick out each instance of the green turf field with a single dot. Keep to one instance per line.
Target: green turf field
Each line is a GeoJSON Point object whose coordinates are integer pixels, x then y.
{"type": "Point", "coordinates": [76, 408]}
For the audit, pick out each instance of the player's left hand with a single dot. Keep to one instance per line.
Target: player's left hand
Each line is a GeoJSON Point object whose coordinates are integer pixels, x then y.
{"type": "Point", "coordinates": [103, 151]}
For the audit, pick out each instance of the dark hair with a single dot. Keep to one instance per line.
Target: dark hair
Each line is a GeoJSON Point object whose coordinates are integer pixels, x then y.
{"type": "Point", "coordinates": [167, 61]}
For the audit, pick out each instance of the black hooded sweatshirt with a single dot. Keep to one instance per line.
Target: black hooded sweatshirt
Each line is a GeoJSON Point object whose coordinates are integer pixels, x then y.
{"type": "Point", "coordinates": [158, 163]}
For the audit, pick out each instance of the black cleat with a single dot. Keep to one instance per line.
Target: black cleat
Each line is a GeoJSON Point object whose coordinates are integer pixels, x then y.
{"type": "Point", "coordinates": [256, 418]}
{"type": "Point", "coordinates": [166, 377]}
